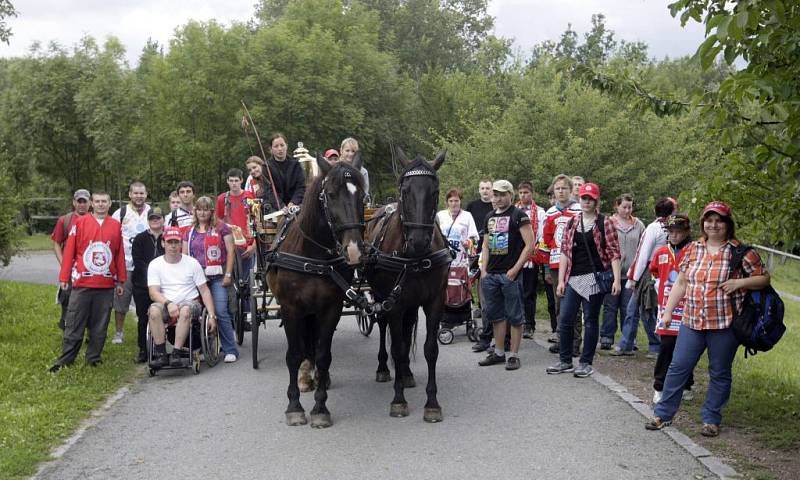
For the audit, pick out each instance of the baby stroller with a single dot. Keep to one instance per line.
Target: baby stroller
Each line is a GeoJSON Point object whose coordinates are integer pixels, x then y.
{"type": "Point", "coordinates": [458, 304]}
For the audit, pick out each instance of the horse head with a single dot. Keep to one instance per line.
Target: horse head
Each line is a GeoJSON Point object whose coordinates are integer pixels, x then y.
{"type": "Point", "coordinates": [341, 197]}
{"type": "Point", "coordinates": [419, 201]}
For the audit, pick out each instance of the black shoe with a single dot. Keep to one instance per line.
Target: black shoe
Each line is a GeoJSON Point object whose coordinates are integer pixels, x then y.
{"type": "Point", "coordinates": [55, 368]}
{"type": "Point", "coordinates": [492, 359]}
{"type": "Point", "coordinates": [512, 363]}
{"type": "Point", "coordinates": [95, 363]}
{"type": "Point", "coordinates": [554, 348]}
{"type": "Point", "coordinates": [160, 361]}
{"type": "Point", "coordinates": [141, 357]}
{"type": "Point", "coordinates": [527, 332]}
{"type": "Point", "coordinates": [480, 347]}
{"type": "Point", "coordinates": [247, 327]}
{"type": "Point", "coordinates": [605, 346]}
{"type": "Point", "coordinates": [175, 359]}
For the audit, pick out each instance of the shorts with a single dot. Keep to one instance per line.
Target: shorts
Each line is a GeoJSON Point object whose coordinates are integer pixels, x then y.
{"type": "Point", "coordinates": [122, 303]}
{"type": "Point", "coordinates": [195, 305]}
{"type": "Point", "coordinates": [502, 299]}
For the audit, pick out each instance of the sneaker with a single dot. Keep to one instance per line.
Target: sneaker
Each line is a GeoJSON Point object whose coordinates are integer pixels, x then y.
{"type": "Point", "coordinates": [651, 355]}
{"type": "Point", "coordinates": [617, 352]}
{"type": "Point", "coordinates": [656, 423]}
{"type": "Point", "coordinates": [657, 396]}
{"type": "Point", "coordinates": [583, 370]}
{"type": "Point", "coordinates": [117, 340]}
{"type": "Point", "coordinates": [141, 357]}
{"type": "Point", "coordinates": [709, 430]}
{"type": "Point", "coordinates": [230, 358]}
{"type": "Point", "coordinates": [480, 347]}
{"type": "Point", "coordinates": [687, 395]}
{"type": "Point", "coordinates": [492, 359]}
{"type": "Point", "coordinates": [605, 346]}
{"type": "Point", "coordinates": [527, 332]}
{"type": "Point", "coordinates": [560, 367]}
{"type": "Point", "coordinates": [554, 348]}
{"type": "Point", "coordinates": [512, 363]}
{"type": "Point", "coordinates": [553, 338]}
{"type": "Point", "coordinates": [175, 359]}
{"type": "Point", "coordinates": [160, 361]}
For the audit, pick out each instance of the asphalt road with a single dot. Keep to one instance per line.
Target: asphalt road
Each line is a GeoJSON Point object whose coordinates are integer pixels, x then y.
{"type": "Point", "coordinates": [228, 422]}
{"type": "Point", "coordinates": [33, 267]}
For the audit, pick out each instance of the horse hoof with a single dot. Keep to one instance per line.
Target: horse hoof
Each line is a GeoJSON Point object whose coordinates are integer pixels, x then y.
{"type": "Point", "coordinates": [383, 377]}
{"type": "Point", "coordinates": [409, 382]}
{"type": "Point", "coordinates": [294, 419]}
{"type": "Point", "coordinates": [432, 415]}
{"type": "Point", "coordinates": [398, 410]}
{"type": "Point", "coordinates": [321, 420]}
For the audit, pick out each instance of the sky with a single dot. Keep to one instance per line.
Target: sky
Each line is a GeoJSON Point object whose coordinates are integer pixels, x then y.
{"type": "Point", "coordinates": [527, 22]}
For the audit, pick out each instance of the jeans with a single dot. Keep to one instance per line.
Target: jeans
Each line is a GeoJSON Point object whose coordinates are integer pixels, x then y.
{"type": "Point", "coordinates": [219, 293]}
{"type": "Point", "coordinates": [631, 326]}
{"type": "Point", "coordinates": [566, 323]}
{"type": "Point", "coordinates": [614, 307]}
{"type": "Point", "coordinates": [663, 362]}
{"type": "Point", "coordinates": [691, 344]}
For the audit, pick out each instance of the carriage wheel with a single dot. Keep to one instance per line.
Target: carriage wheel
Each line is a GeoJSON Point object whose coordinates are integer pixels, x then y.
{"type": "Point", "coordinates": [255, 324]}
{"type": "Point", "coordinates": [445, 336]}
{"type": "Point", "coordinates": [239, 287]}
{"type": "Point", "coordinates": [209, 342]}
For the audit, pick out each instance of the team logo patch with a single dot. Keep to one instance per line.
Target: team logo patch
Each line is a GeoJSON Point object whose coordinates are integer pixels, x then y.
{"type": "Point", "coordinates": [214, 253]}
{"type": "Point", "coordinates": [97, 258]}
{"type": "Point", "coordinates": [663, 258]}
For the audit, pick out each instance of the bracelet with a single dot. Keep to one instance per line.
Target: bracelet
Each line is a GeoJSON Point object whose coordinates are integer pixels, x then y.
{"type": "Point", "coordinates": [228, 274]}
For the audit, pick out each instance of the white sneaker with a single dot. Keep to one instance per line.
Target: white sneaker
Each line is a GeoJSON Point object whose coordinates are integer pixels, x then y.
{"type": "Point", "coordinates": [230, 358]}
{"type": "Point", "coordinates": [117, 340]}
{"type": "Point", "coordinates": [656, 396]}
{"type": "Point", "coordinates": [687, 395]}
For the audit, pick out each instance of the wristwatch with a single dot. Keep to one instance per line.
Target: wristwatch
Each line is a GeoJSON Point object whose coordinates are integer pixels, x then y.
{"type": "Point", "coordinates": [228, 274]}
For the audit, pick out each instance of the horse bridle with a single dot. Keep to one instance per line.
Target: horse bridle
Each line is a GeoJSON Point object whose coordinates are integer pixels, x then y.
{"type": "Point", "coordinates": [416, 172]}
{"type": "Point", "coordinates": [336, 229]}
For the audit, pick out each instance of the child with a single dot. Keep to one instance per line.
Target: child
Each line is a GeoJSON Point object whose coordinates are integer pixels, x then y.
{"type": "Point", "coordinates": [664, 268]}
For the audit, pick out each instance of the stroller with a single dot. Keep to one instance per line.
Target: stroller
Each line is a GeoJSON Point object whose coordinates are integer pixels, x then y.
{"type": "Point", "coordinates": [458, 304]}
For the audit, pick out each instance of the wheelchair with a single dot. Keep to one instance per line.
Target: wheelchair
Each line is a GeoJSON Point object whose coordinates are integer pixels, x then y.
{"type": "Point", "coordinates": [203, 345]}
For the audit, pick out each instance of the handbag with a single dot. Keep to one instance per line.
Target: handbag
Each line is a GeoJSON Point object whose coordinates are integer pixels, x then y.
{"type": "Point", "coordinates": [605, 278]}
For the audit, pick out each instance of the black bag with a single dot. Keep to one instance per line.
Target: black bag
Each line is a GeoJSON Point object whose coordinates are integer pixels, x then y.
{"type": "Point", "coordinates": [604, 279]}
{"type": "Point", "coordinates": [759, 324]}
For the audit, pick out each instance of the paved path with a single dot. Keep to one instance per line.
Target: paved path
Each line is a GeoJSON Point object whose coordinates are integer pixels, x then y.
{"type": "Point", "coordinates": [228, 422]}
{"type": "Point", "coordinates": [33, 267]}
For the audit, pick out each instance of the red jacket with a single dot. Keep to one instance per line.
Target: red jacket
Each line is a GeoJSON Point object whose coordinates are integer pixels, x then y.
{"type": "Point", "coordinates": [94, 255]}
{"type": "Point", "coordinates": [664, 268]}
{"type": "Point", "coordinates": [555, 221]}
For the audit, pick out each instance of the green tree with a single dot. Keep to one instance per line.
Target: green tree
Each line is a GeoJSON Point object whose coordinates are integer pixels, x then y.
{"type": "Point", "coordinates": [6, 11]}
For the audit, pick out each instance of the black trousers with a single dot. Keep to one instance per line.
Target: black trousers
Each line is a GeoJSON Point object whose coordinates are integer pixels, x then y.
{"type": "Point", "coordinates": [141, 298]}
{"type": "Point", "coordinates": [662, 363]}
{"type": "Point", "coordinates": [89, 308]}
{"type": "Point", "coordinates": [530, 279]}
{"type": "Point", "coordinates": [63, 300]}
{"type": "Point", "coordinates": [549, 291]}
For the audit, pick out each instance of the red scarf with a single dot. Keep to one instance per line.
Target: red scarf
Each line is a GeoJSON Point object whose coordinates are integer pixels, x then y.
{"type": "Point", "coordinates": [212, 247]}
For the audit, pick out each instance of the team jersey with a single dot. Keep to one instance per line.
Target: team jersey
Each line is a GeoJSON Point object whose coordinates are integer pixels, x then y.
{"type": "Point", "coordinates": [235, 212]}
{"type": "Point", "coordinates": [179, 218]}
{"type": "Point", "coordinates": [664, 268]}
{"type": "Point", "coordinates": [555, 222]}
{"type": "Point", "coordinates": [133, 224]}
{"type": "Point", "coordinates": [93, 254]}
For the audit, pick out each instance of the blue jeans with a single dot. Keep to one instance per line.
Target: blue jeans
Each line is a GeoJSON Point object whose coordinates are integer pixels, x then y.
{"type": "Point", "coordinates": [568, 314]}
{"type": "Point", "coordinates": [631, 326]}
{"type": "Point", "coordinates": [614, 307]}
{"type": "Point", "coordinates": [219, 293]}
{"type": "Point", "coordinates": [722, 346]}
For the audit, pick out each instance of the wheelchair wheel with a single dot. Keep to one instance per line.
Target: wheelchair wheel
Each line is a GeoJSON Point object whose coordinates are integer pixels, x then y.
{"type": "Point", "coordinates": [209, 341]}
{"type": "Point", "coordinates": [237, 299]}
{"type": "Point", "coordinates": [150, 346]}
{"type": "Point", "coordinates": [255, 324]}
{"type": "Point", "coordinates": [445, 336]}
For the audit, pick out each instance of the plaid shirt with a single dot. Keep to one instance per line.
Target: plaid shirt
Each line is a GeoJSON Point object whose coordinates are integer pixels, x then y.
{"type": "Point", "coordinates": [707, 306]}
{"type": "Point", "coordinates": [607, 255]}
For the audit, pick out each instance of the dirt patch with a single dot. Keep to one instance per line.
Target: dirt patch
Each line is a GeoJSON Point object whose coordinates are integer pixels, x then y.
{"type": "Point", "coordinates": [735, 446]}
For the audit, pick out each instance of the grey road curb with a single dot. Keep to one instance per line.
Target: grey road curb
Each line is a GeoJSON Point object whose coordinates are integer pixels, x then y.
{"type": "Point", "coordinates": [94, 418]}
{"type": "Point", "coordinates": [714, 464]}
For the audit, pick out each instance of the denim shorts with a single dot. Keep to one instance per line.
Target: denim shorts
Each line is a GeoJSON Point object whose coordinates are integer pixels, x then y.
{"type": "Point", "coordinates": [502, 298]}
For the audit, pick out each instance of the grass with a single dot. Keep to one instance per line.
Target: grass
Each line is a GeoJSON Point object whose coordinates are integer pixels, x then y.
{"type": "Point", "coordinates": [37, 242]}
{"type": "Point", "coordinates": [38, 410]}
{"type": "Point", "coordinates": [786, 277]}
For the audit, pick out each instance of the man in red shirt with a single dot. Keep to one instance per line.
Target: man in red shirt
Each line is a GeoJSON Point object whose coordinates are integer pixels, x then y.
{"type": "Point", "coordinates": [80, 207]}
{"type": "Point", "coordinates": [94, 260]}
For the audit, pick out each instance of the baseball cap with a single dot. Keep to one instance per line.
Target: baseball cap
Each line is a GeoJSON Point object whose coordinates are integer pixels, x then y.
{"type": "Point", "coordinates": [155, 212]}
{"type": "Point", "coordinates": [502, 186]}
{"type": "Point", "coordinates": [172, 233]}
{"type": "Point", "coordinates": [717, 207]}
{"type": "Point", "coordinates": [679, 221]}
{"type": "Point", "coordinates": [82, 193]}
{"type": "Point", "coordinates": [589, 190]}
{"type": "Point", "coordinates": [331, 152]}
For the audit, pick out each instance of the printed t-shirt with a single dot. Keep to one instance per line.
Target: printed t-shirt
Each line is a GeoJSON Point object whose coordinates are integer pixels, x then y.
{"type": "Point", "coordinates": [133, 224]}
{"type": "Point", "coordinates": [456, 232]}
{"type": "Point", "coordinates": [505, 240]}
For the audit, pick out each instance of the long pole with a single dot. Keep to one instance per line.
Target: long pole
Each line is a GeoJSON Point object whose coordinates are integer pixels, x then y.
{"type": "Point", "coordinates": [263, 154]}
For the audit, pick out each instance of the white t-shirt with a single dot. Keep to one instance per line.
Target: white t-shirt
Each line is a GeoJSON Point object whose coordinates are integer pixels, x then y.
{"type": "Point", "coordinates": [178, 281]}
{"type": "Point", "coordinates": [456, 233]}
{"type": "Point", "coordinates": [133, 224]}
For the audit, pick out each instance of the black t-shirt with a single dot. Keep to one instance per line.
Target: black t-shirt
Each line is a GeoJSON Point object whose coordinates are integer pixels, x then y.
{"type": "Point", "coordinates": [505, 240]}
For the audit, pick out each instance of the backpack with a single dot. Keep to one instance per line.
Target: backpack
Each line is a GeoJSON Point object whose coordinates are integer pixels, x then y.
{"type": "Point", "coordinates": [759, 324]}
{"type": "Point", "coordinates": [67, 220]}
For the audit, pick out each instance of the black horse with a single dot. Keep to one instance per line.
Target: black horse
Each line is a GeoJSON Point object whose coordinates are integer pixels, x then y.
{"type": "Point", "coordinates": [409, 271]}
{"type": "Point", "coordinates": [314, 259]}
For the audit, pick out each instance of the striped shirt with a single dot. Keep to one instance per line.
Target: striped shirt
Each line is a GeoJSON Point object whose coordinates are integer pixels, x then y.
{"type": "Point", "coordinates": [707, 306]}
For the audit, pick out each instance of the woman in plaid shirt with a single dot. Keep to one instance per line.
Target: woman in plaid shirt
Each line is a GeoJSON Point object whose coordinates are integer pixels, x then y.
{"type": "Point", "coordinates": [710, 293]}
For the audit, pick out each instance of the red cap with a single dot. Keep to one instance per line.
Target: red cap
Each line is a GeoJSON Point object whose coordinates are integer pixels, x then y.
{"type": "Point", "coordinates": [717, 207]}
{"type": "Point", "coordinates": [172, 233]}
{"type": "Point", "coordinates": [331, 152]}
{"type": "Point", "coordinates": [589, 190]}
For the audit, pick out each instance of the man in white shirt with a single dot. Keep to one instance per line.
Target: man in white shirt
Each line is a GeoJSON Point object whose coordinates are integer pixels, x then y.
{"type": "Point", "coordinates": [174, 281]}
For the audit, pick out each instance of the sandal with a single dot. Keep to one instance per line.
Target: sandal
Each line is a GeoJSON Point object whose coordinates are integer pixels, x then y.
{"type": "Point", "coordinates": [656, 423]}
{"type": "Point", "coordinates": [709, 430]}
